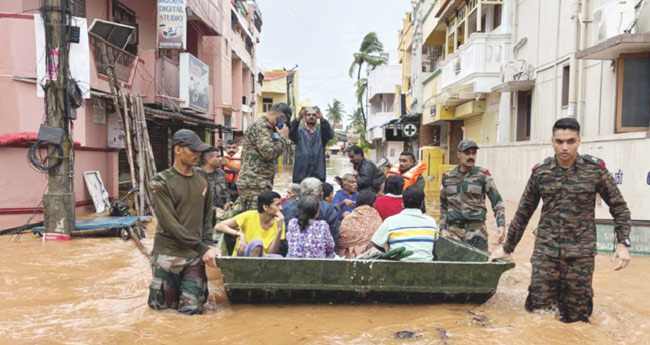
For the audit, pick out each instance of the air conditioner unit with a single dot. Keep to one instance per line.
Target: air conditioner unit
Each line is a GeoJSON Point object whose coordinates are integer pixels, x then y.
{"type": "Point", "coordinates": [612, 19]}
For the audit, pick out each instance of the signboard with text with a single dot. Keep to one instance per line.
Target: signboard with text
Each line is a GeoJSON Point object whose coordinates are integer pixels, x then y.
{"type": "Point", "coordinates": [194, 83]}
{"type": "Point", "coordinates": [639, 236]}
{"type": "Point", "coordinates": [172, 24]}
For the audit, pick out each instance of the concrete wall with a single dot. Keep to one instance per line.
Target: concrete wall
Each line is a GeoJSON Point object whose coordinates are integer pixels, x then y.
{"type": "Point", "coordinates": [383, 79]}
{"type": "Point", "coordinates": [511, 166]}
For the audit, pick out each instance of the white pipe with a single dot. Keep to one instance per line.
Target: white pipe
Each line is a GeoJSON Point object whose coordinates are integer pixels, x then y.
{"type": "Point", "coordinates": [582, 75]}
{"type": "Point", "coordinates": [573, 68]}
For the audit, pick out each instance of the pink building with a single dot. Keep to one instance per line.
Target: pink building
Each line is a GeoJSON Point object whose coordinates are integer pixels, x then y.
{"type": "Point", "coordinates": [220, 33]}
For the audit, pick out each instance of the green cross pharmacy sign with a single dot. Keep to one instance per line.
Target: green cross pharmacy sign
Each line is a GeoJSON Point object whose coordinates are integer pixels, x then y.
{"type": "Point", "coordinates": [409, 130]}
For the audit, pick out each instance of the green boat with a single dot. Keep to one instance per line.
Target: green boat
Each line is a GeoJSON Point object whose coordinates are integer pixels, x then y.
{"type": "Point", "coordinates": [460, 274]}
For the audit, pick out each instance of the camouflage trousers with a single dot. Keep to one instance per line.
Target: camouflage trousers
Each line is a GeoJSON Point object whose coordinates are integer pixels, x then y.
{"type": "Point", "coordinates": [178, 283]}
{"type": "Point", "coordinates": [248, 198]}
{"type": "Point", "coordinates": [562, 283]}
{"type": "Point", "coordinates": [475, 235]}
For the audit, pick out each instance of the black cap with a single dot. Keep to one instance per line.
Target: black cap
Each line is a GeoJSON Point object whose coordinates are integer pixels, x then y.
{"type": "Point", "coordinates": [211, 149]}
{"type": "Point", "coordinates": [186, 137]}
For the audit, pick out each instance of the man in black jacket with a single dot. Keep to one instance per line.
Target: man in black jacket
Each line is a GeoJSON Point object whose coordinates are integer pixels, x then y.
{"type": "Point", "coordinates": [368, 175]}
{"type": "Point", "coordinates": [311, 142]}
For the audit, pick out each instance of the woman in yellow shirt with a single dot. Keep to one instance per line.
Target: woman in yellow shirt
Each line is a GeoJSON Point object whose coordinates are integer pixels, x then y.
{"type": "Point", "coordinates": [259, 232]}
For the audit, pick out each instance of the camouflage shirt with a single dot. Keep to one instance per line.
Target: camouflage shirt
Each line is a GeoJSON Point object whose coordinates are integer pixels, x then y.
{"type": "Point", "coordinates": [259, 153]}
{"type": "Point", "coordinates": [184, 211]}
{"type": "Point", "coordinates": [219, 188]}
{"type": "Point", "coordinates": [567, 224]}
{"type": "Point", "coordinates": [462, 197]}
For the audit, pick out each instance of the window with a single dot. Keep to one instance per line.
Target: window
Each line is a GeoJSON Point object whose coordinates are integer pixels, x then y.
{"type": "Point", "coordinates": [565, 85]}
{"type": "Point", "coordinates": [123, 15]}
{"type": "Point", "coordinates": [524, 107]}
{"type": "Point", "coordinates": [632, 93]}
{"type": "Point", "coordinates": [227, 121]}
{"type": "Point", "coordinates": [496, 19]}
{"type": "Point", "coordinates": [266, 104]}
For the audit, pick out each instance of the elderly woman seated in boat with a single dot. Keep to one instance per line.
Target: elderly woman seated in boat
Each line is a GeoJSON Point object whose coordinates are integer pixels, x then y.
{"type": "Point", "coordinates": [357, 228]}
{"type": "Point", "coordinates": [346, 197]}
{"type": "Point", "coordinates": [259, 232]}
{"type": "Point", "coordinates": [307, 237]}
{"type": "Point", "coordinates": [312, 186]}
{"type": "Point", "coordinates": [411, 229]}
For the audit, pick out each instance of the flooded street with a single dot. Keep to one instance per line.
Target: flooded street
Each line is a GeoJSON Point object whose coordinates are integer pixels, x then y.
{"type": "Point", "coordinates": [94, 291]}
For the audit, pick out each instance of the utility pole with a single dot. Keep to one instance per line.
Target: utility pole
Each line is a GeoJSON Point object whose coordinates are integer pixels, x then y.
{"type": "Point", "coordinates": [59, 202]}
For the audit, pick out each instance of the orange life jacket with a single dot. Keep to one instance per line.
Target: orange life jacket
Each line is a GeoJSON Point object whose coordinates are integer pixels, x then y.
{"type": "Point", "coordinates": [235, 161]}
{"type": "Point", "coordinates": [411, 176]}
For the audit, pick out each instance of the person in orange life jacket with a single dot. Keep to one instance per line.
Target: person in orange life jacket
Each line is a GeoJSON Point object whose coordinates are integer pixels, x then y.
{"type": "Point", "coordinates": [409, 170]}
{"type": "Point", "coordinates": [232, 162]}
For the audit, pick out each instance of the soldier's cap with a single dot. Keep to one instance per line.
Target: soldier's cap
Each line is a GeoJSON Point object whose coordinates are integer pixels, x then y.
{"type": "Point", "coordinates": [467, 144]}
{"type": "Point", "coordinates": [186, 137]}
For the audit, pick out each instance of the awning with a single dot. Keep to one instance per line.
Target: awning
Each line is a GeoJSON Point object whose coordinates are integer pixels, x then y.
{"type": "Point", "coordinates": [389, 122]}
{"type": "Point", "coordinates": [612, 48]}
{"type": "Point", "coordinates": [179, 116]}
{"type": "Point", "coordinates": [515, 85]}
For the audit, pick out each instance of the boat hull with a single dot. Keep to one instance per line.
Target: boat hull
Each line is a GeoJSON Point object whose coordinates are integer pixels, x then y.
{"type": "Point", "coordinates": [461, 275]}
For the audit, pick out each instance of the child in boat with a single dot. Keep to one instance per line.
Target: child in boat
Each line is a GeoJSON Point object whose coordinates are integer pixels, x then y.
{"type": "Point", "coordinates": [306, 236]}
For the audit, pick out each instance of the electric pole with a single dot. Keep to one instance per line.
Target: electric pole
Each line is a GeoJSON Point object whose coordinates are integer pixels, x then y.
{"type": "Point", "coordinates": [59, 202]}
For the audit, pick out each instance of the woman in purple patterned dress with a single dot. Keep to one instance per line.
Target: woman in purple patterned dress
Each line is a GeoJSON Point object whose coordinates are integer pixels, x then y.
{"type": "Point", "coordinates": [307, 237]}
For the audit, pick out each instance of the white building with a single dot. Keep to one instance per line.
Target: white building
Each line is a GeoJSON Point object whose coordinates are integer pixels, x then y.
{"type": "Point", "coordinates": [381, 109]}
{"type": "Point", "coordinates": [575, 59]}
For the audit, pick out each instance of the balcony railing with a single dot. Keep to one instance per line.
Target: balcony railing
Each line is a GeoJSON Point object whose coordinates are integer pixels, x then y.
{"type": "Point", "coordinates": [477, 62]}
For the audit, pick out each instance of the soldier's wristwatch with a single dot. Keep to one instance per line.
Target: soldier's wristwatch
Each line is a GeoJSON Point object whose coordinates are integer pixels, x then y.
{"type": "Point", "coordinates": [626, 242]}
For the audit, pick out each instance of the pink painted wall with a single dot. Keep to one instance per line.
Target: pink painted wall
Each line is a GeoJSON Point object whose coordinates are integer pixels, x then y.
{"type": "Point", "coordinates": [22, 111]}
{"type": "Point", "coordinates": [237, 93]}
{"type": "Point", "coordinates": [27, 193]}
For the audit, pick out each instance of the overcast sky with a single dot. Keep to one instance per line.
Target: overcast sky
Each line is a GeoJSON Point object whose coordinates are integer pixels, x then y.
{"type": "Point", "coordinates": [320, 36]}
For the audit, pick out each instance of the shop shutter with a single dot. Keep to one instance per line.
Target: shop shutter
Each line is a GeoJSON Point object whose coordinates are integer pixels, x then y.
{"type": "Point", "coordinates": [473, 128]}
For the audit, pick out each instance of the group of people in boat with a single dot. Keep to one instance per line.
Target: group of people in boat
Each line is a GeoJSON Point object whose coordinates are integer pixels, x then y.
{"type": "Point", "coordinates": [373, 210]}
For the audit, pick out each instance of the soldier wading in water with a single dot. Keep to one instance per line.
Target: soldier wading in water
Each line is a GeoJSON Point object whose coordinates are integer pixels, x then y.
{"type": "Point", "coordinates": [565, 244]}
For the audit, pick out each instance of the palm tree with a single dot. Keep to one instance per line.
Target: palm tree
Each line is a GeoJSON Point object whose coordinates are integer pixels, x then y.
{"type": "Point", "coordinates": [334, 112]}
{"type": "Point", "coordinates": [370, 54]}
{"type": "Point", "coordinates": [357, 121]}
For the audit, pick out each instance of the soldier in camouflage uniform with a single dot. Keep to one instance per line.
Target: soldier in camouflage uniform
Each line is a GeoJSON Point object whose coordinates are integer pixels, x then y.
{"type": "Point", "coordinates": [260, 150]}
{"type": "Point", "coordinates": [217, 177]}
{"type": "Point", "coordinates": [462, 200]}
{"type": "Point", "coordinates": [182, 245]}
{"type": "Point", "coordinates": [565, 243]}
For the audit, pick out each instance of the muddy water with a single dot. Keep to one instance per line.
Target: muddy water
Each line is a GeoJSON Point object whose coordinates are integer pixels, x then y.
{"type": "Point", "coordinates": [94, 291]}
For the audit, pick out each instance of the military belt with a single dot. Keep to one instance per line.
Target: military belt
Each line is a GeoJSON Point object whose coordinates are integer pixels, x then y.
{"type": "Point", "coordinates": [467, 224]}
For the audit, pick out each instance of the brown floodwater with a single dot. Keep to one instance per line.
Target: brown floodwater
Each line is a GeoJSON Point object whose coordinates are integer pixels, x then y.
{"type": "Point", "coordinates": [94, 291]}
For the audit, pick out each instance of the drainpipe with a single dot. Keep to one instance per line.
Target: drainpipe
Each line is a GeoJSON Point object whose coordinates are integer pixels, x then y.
{"type": "Point", "coordinates": [573, 68]}
{"type": "Point", "coordinates": [582, 64]}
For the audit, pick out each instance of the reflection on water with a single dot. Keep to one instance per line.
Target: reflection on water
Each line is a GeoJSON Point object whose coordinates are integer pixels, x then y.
{"type": "Point", "coordinates": [95, 291]}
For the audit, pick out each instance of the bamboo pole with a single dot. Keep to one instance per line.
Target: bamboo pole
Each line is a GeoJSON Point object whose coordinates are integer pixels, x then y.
{"type": "Point", "coordinates": [129, 148]}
